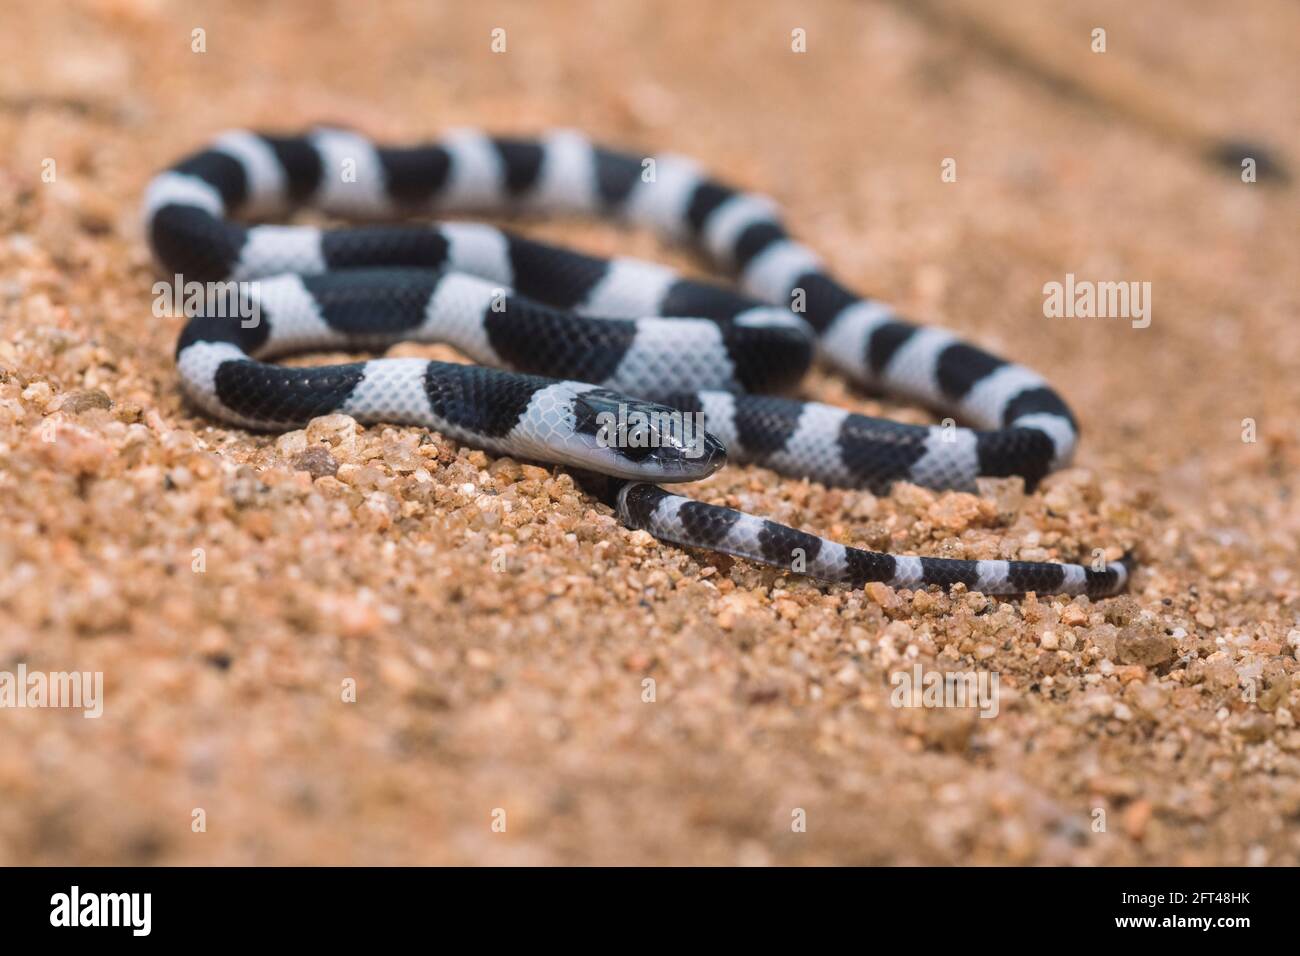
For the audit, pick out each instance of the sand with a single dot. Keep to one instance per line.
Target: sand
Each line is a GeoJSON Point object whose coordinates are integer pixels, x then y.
{"type": "Point", "coordinates": [348, 645]}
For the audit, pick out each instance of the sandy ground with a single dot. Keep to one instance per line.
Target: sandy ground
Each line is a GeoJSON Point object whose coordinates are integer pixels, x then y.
{"type": "Point", "coordinates": [1158, 727]}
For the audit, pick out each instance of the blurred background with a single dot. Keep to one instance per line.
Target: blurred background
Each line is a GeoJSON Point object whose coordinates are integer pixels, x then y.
{"type": "Point", "coordinates": [481, 691]}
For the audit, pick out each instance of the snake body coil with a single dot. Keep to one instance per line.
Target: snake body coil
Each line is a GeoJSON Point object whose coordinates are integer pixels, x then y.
{"type": "Point", "coordinates": [580, 342]}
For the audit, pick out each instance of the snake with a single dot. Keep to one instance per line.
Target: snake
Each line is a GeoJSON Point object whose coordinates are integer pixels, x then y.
{"type": "Point", "coordinates": [621, 369]}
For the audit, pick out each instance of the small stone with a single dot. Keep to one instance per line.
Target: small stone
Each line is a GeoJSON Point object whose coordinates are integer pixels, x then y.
{"type": "Point", "coordinates": [401, 453]}
{"type": "Point", "coordinates": [38, 394]}
{"type": "Point", "coordinates": [1062, 499]}
{"type": "Point", "coordinates": [506, 468]}
{"type": "Point", "coordinates": [379, 511]}
{"type": "Point", "coordinates": [331, 487]}
{"type": "Point", "coordinates": [360, 477]}
{"type": "Point", "coordinates": [1276, 694]}
{"type": "Point", "coordinates": [128, 413]}
{"type": "Point", "coordinates": [1074, 616]}
{"type": "Point", "coordinates": [244, 486]}
{"type": "Point", "coordinates": [337, 430]}
{"type": "Point", "coordinates": [1144, 645]}
{"type": "Point", "coordinates": [291, 443]}
{"type": "Point", "coordinates": [957, 511]}
{"type": "Point", "coordinates": [1136, 817]}
{"type": "Point", "coordinates": [1105, 638]}
{"type": "Point", "coordinates": [1049, 641]}
{"type": "Point", "coordinates": [316, 461]}
{"type": "Point", "coordinates": [882, 594]}
{"type": "Point", "coordinates": [642, 539]}
{"type": "Point", "coordinates": [1129, 673]}
{"type": "Point", "coordinates": [82, 400]}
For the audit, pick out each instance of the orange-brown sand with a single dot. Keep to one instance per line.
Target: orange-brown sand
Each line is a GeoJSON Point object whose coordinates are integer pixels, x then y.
{"type": "Point", "coordinates": [500, 628]}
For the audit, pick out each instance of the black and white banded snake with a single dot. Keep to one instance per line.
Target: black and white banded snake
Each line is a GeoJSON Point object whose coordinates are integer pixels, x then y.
{"type": "Point", "coordinates": [575, 340]}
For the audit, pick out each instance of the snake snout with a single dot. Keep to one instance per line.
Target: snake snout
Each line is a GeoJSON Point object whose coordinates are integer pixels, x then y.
{"type": "Point", "coordinates": [692, 460]}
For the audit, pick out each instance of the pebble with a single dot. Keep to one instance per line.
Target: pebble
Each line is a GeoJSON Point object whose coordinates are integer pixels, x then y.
{"type": "Point", "coordinates": [1137, 817]}
{"type": "Point", "coordinates": [1144, 645]}
{"type": "Point", "coordinates": [1074, 616]}
{"type": "Point", "coordinates": [882, 594]}
{"type": "Point", "coordinates": [315, 460]}
{"type": "Point", "coordinates": [291, 444]}
{"type": "Point", "coordinates": [335, 430]}
{"type": "Point", "coordinates": [84, 399]}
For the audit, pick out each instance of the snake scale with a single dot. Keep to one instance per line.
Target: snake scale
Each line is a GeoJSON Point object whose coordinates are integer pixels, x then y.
{"type": "Point", "coordinates": [572, 346]}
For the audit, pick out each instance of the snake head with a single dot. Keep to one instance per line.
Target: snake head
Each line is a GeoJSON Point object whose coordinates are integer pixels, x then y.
{"type": "Point", "coordinates": [643, 440]}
